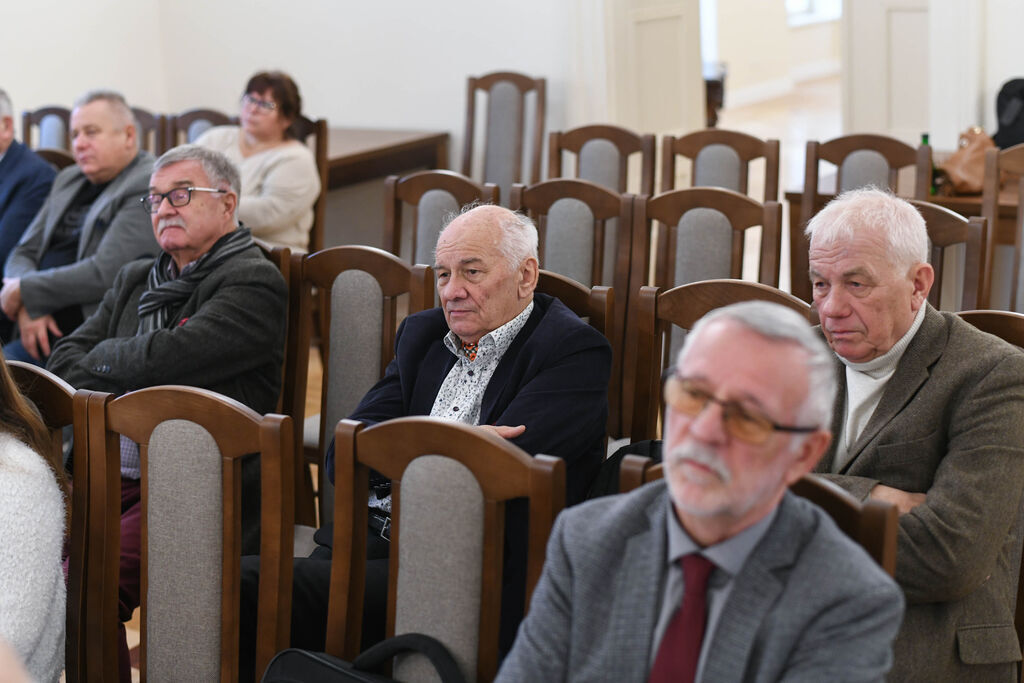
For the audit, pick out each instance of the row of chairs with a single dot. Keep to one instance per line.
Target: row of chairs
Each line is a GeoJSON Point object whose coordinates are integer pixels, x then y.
{"type": "Point", "coordinates": [598, 236]}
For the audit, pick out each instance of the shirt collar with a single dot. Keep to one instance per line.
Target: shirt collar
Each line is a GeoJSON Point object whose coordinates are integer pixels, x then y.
{"type": "Point", "coordinates": [496, 341]}
{"type": "Point", "coordinates": [729, 555]}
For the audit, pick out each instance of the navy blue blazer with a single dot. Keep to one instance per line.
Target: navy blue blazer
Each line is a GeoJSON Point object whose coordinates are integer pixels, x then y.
{"type": "Point", "coordinates": [553, 379]}
{"type": "Point", "coordinates": [25, 182]}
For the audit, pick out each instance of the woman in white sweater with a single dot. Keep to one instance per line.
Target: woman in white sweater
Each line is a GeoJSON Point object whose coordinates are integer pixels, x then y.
{"type": "Point", "coordinates": [279, 176]}
{"type": "Point", "coordinates": [32, 486]}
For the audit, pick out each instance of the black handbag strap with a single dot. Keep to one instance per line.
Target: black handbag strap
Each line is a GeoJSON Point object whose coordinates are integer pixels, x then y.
{"type": "Point", "coordinates": [431, 648]}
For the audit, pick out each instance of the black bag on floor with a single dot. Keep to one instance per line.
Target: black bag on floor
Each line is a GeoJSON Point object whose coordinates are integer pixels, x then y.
{"type": "Point", "coordinates": [1010, 114]}
{"type": "Point", "coordinates": [302, 666]}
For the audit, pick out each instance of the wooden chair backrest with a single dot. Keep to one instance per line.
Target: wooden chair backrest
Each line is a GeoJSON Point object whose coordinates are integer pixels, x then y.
{"type": "Point", "coordinates": [1002, 164]}
{"type": "Point", "coordinates": [947, 229]}
{"type": "Point", "coordinates": [502, 471]}
{"type": "Point", "coordinates": [625, 142]}
{"type": "Point", "coordinates": [236, 431]}
{"type": "Point", "coordinates": [746, 147]}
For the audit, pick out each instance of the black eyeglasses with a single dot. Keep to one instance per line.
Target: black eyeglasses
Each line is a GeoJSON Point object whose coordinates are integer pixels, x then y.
{"type": "Point", "coordinates": [265, 105]}
{"type": "Point", "coordinates": [686, 397]}
{"type": "Point", "coordinates": [179, 196]}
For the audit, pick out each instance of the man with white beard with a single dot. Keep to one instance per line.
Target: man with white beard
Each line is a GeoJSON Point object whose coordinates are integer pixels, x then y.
{"type": "Point", "coordinates": [718, 573]}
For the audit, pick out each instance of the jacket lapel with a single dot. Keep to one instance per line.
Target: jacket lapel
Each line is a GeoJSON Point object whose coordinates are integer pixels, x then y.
{"type": "Point", "coordinates": [755, 591]}
{"type": "Point", "coordinates": [913, 370]}
{"type": "Point", "coordinates": [635, 594]}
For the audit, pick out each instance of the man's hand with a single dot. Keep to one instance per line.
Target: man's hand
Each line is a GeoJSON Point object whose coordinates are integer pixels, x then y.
{"type": "Point", "coordinates": [903, 500]}
{"type": "Point", "coordinates": [10, 297]}
{"type": "Point", "coordinates": [34, 333]}
{"type": "Point", "coordinates": [505, 432]}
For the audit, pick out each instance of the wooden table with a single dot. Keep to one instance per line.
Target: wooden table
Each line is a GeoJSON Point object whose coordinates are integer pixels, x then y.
{"type": "Point", "coordinates": [358, 154]}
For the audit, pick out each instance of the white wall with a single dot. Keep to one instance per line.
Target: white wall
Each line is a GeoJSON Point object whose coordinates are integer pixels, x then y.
{"type": "Point", "coordinates": [54, 50]}
{"type": "Point", "coordinates": [401, 63]}
{"type": "Point", "coordinates": [1003, 20]}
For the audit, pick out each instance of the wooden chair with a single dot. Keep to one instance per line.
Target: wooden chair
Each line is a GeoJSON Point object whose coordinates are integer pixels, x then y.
{"type": "Point", "coordinates": [150, 129]}
{"type": "Point", "coordinates": [860, 160]}
{"type": "Point", "coordinates": [505, 128]}
{"type": "Point", "coordinates": [585, 234]}
{"type": "Point", "coordinates": [702, 234]}
{"type": "Point", "coordinates": [188, 125]}
{"type": "Point", "coordinates": [597, 305]}
{"type": "Point", "coordinates": [949, 229]}
{"type": "Point", "coordinates": [602, 156]}
{"type": "Point", "coordinates": [721, 158]}
{"type": "Point", "coordinates": [54, 124]}
{"type": "Point", "coordinates": [874, 524]}
{"type": "Point", "coordinates": [316, 136]}
{"type": "Point", "coordinates": [415, 206]}
{"type": "Point", "coordinates": [1006, 325]}
{"type": "Point", "coordinates": [657, 312]}
{"type": "Point", "coordinates": [192, 443]}
{"type": "Point", "coordinates": [58, 158]}
{"type": "Point", "coordinates": [61, 406]}
{"type": "Point", "coordinates": [1003, 239]}
{"type": "Point", "coordinates": [449, 481]}
{"type": "Point", "coordinates": [358, 290]}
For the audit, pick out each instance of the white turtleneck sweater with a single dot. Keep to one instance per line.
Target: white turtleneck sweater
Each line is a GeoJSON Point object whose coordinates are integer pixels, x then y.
{"type": "Point", "coordinates": [865, 383]}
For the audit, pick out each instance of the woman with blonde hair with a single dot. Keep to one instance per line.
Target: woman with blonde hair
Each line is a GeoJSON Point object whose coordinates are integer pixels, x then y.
{"type": "Point", "coordinates": [32, 493]}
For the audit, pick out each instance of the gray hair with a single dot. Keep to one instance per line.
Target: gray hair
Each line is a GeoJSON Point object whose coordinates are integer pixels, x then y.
{"type": "Point", "coordinates": [518, 233]}
{"type": "Point", "coordinates": [776, 322]}
{"type": "Point", "coordinates": [217, 167]}
{"type": "Point", "coordinates": [899, 223]}
{"type": "Point", "coordinates": [6, 108]}
{"type": "Point", "coordinates": [116, 102]}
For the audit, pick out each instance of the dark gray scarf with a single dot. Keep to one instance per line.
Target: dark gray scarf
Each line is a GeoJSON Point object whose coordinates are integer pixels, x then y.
{"type": "Point", "coordinates": [165, 293]}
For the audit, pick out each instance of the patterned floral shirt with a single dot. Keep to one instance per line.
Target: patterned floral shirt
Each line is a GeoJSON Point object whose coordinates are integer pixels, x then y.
{"type": "Point", "coordinates": [462, 393]}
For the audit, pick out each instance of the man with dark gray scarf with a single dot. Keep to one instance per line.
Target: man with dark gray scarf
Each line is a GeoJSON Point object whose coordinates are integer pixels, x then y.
{"type": "Point", "coordinates": [209, 312]}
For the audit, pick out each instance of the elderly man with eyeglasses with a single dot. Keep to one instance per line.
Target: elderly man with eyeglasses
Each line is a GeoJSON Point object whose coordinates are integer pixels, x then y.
{"type": "Point", "coordinates": [88, 227]}
{"type": "Point", "coordinates": [718, 573]}
{"type": "Point", "coordinates": [209, 312]}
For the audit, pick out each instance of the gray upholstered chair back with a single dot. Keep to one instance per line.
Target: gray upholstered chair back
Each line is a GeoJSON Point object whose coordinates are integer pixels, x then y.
{"type": "Point", "coordinates": [862, 168]}
{"type": "Point", "coordinates": [703, 252]}
{"type": "Point", "coordinates": [718, 165]}
{"type": "Point", "coordinates": [1003, 257]}
{"type": "Point", "coordinates": [185, 547]}
{"type": "Point", "coordinates": [52, 132]}
{"type": "Point", "coordinates": [599, 163]}
{"type": "Point", "coordinates": [504, 110]}
{"type": "Point", "coordinates": [440, 554]}
{"type": "Point", "coordinates": [434, 205]}
{"type": "Point", "coordinates": [197, 128]}
{"type": "Point", "coordinates": [357, 326]}
{"type": "Point", "coordinates": [569, 240]}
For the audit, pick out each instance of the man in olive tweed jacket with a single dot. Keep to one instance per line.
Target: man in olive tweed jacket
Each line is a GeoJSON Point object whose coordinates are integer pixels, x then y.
{"type": "Point", "coordinates": [930, 416]}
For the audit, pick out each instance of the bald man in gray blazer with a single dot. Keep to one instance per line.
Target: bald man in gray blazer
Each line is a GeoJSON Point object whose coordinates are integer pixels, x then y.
{"type": "Point", "coordinates": [930, 416]}
{"type": "Point", "coordinates": [789, 596]}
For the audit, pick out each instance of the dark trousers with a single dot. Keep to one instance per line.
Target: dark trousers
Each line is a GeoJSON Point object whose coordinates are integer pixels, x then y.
{"type": "Point", "coordinates": [310, 589]}
{"type": "Point", "coordinates": [128, 582]}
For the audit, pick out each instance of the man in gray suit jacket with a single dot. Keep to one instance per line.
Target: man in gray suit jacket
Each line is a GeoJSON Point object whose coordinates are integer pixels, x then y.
{"type": "Point", "coordinates": [789, 596]}
{"type": "Point", "coordinates": [90, 225]}
{"type": "Point", "coordinates": [929, 417]}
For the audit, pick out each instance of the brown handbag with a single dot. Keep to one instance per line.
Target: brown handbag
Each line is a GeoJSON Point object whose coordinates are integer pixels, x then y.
{"type": "Point", "coordinates": [965, 167]}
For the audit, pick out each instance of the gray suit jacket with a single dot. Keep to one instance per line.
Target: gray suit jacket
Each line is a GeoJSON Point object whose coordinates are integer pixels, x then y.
{"type": "Point", "coordinates": [950, 424]}
{"type": "Point", "coordinates": [808, 605]}
{"type": "Point", "coordinates": [116, 230]}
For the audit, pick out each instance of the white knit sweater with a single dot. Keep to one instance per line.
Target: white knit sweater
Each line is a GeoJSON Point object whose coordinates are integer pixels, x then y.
{"type": "Point", "coordinates": [32, 591]}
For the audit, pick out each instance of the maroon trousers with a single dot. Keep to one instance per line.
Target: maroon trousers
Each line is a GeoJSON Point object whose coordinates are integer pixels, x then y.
{"type": "Point", "coordinates": [131, 553]}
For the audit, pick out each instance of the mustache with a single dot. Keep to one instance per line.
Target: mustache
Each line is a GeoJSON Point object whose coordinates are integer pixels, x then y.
{"type": "Point", "coordinates": [701, 455]}
{"type": "Point", "coordinates": [172, 222]}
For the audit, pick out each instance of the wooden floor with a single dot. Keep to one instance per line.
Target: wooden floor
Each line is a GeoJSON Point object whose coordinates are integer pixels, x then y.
{"type": "Point", "coordinates": [810, 112]}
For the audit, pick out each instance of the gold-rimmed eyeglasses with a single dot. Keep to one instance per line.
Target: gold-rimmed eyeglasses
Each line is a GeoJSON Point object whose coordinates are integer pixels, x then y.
{"type": "Point", "coordinates": [689, 398]}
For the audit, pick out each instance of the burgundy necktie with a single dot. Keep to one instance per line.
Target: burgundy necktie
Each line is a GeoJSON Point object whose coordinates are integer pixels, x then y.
{"type": "Point", "coordinates": [679, 651]}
